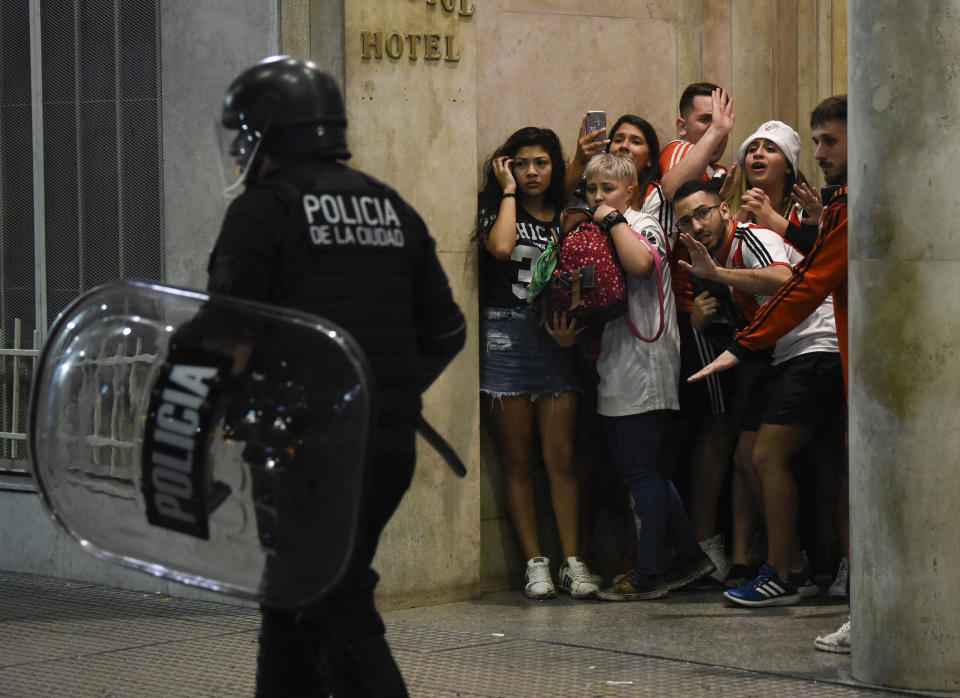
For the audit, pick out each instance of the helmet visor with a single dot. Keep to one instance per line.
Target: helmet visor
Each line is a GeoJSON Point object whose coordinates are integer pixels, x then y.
{"type": "Point", "coordinates": [237, 149]}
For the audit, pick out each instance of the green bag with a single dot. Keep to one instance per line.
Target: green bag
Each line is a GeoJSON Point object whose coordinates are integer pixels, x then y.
{"type": "Point", "coordinates": [543, 267]}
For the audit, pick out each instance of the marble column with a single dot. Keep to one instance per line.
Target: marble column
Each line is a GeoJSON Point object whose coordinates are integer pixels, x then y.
{"type": "Point", "coordinates": [903, 147]}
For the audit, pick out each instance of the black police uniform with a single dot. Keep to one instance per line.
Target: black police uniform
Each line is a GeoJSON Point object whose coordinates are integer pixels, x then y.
{"type": "Point", "coordinates": [320, 237]}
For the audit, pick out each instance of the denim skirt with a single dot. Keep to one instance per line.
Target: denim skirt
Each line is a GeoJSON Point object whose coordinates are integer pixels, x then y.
{"type": "Point", "coordinates": [518, 357]}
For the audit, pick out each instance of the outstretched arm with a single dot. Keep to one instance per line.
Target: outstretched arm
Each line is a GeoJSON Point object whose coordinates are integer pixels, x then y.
{"type": "Point", "coordinates": [759, 282]}
{"type": "Point", "coordinates": [724, 362]}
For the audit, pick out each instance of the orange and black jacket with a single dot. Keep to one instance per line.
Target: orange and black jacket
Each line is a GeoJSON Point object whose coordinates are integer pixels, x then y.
{"type": "Point", "coordinates": [821, 273]}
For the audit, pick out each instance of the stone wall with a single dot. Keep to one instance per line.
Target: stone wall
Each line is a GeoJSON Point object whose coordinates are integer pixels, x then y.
{"type": "Point", "coordinates": [411, 93]}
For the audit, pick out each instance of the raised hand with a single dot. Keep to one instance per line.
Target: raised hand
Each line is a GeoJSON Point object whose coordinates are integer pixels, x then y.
{"type": "Point", "coordinates": [723, 117]}
{"type": "Point", "coordinates": [503, 171]}
{"type": "Point", "coordinates": [701, 263]}
{"type": "Point", "coordinates": [587, 147]}
{"type": "Point", "coordinates": [809, 200]}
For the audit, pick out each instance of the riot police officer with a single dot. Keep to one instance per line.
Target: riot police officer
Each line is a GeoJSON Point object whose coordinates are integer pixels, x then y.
{"type": "Point", "coordinates": [310, 233]}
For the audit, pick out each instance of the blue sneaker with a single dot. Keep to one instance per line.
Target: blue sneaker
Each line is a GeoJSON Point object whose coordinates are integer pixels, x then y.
{"type": "Point", "coordinates": [766, 590]}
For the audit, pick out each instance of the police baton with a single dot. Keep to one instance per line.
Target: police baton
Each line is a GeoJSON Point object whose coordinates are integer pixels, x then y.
{"type": "Point", "coordinates": [441, 446]}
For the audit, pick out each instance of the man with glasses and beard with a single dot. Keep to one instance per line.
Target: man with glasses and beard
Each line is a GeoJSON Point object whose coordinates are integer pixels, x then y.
{"type": "Point", "coordinates": [822, 274]}
{"type": "Point", "coordinates": [797, 397]}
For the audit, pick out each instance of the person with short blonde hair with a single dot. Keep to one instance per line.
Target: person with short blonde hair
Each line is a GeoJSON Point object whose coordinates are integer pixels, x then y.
{"type": "Point", "coordinates": [638, 387]}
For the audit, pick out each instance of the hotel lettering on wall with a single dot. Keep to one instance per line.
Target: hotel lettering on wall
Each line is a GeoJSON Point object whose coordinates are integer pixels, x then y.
{"type": "Point", "coordinates": [428, 46]}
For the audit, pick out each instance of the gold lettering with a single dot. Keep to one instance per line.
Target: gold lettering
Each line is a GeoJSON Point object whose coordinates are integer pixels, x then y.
{"type": "Point", "coordinates": [450, 57]}
{"type": "Point", "coordinates": [464, 12]}
{"type": "Point", "coordinates": [413, 40]}
{"type": "Point", "coordinates": [448, 4]}
{"type": "Point", "coordinates": [394, 45]}
{"type": "Point", "coordinates": [431, 47]}
{"type": "Point", "coordinates": [371, 45]}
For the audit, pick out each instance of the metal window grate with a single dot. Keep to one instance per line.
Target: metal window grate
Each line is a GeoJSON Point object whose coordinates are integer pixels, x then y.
{"type": "Point", "coordinates": [103, 182]}
{"type": "Point", "coordinates": [102, 186]}
{"type": "Point", "coordinates": [17, 291]}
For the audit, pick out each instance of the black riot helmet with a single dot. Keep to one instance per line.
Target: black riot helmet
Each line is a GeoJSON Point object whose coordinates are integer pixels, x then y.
{"type": "Point", "coordinates": [285, 107]}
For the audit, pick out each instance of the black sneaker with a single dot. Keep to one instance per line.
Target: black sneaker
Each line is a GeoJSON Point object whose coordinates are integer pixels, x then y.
{"type": "Point", "coordinates": [803, 581]}
{"type": "Point", "coordinates": [738, 574]}
{"type": "Point", "coordinates": [689, 570]}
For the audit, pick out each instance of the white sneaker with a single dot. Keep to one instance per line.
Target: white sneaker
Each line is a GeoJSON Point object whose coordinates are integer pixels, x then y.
{"type": "Point", "coordinates": [713, 547]}
{"type": "Point", "coordinates": [536, 579]}
{"type": "Point", "coordinates": [838, 590]}
{"type": "Point", "coordinates": [595, 578]}
{"type": "Point", "coordinates": [837, 642]}
{"type": "Point", "coordinates": [576, 580]}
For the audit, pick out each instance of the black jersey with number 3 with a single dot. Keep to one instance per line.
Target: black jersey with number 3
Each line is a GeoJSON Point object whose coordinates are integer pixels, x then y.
{"type": "Point", "coordinates": [503, 283]}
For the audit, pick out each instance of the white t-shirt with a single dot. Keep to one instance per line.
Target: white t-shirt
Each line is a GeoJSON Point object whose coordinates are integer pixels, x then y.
{"type": "Point", "coordinates": [753, 247]}
{"type": "Point", "coordinates": [638, 376]}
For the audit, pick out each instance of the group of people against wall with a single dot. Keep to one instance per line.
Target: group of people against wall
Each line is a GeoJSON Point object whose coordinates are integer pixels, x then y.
{"type": "Point", "coordinates": [756, 453]}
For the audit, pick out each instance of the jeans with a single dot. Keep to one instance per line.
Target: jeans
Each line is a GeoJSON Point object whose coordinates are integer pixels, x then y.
{"type": "Point", "coordinates": [661, 520]}
{"type": "Point", "coordinates": [518, 357]}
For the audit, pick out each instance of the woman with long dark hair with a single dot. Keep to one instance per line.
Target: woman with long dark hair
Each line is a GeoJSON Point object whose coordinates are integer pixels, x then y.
{"type": "Point", "coordinates": [636, 138]}
{"type": "Point", "coordinates": [770, 195]}
{"type": "Point", "coordinates": [527, 380]}
{"type": "Point", "coordinates": [774, 193]}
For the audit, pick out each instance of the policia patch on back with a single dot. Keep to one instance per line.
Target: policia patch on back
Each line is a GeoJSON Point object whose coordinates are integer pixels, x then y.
{"type": "Point", "coordinates": [175, 481]}
{"type": "Point", "coordinates": [338, 219]}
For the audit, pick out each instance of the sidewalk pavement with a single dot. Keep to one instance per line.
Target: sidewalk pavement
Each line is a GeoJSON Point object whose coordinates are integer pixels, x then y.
{"type": "Point", "coordinates": [64, 638]}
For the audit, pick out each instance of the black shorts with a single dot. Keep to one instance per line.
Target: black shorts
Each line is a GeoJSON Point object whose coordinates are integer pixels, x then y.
{"type": "Point", "coordinates": [711, 395]}
{"type": "Point", "coordinates": [807, 389]}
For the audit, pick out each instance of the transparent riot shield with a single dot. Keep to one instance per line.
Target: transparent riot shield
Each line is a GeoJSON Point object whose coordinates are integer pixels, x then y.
{"type": "Point", "coordinates": [217, 442]}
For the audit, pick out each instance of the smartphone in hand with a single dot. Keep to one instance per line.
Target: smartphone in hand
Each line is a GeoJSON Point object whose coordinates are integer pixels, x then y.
{"type": "Point", "coordinates": [596, 121]}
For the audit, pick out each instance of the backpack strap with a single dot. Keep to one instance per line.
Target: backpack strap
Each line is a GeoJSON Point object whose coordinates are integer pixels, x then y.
{"type": "Point", "coordinates": [571, 217]}
{"type": "Point", "coordinates": [658, 263]}
{"type": "Point", "coordinates": [575, 276]}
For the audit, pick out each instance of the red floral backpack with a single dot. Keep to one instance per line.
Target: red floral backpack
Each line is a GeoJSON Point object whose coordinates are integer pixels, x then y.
{"type": "Point", "coordinates": [579, 273]}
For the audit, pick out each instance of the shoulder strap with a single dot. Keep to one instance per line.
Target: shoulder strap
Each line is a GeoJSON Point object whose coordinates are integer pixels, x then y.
{"type": "Point", "coordinates": [572, 217]}
{"type": "Point", "coordinates": [658, 263]}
